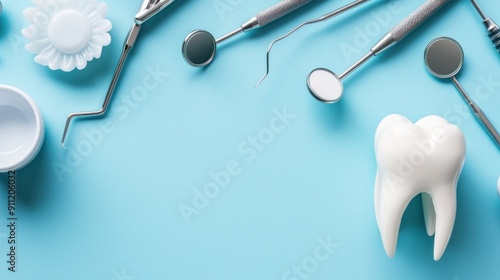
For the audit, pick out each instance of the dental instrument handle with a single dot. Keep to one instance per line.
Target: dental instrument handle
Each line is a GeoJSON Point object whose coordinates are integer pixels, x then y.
{"type": "Point", "coordinates": [486, 123]}
{"type": "Point", "coordinates": [492, 28]}
{"type": "Point", "coordinates": [127, 46]}
{"type": "Point", "coordinates": [410, 23]}
{"type": "Point", "coordinates": [267, 16]}
{"type": "Point", "coordinates": [478, 112]}
{"type": "Point", "coordinates": [340, 10]}
{"type": "Point", "coordinates": [357, 65]}
{"type": "Point", "coordinates": [400, 31]}
{"type": "Point", "coordinates": [479, 10]}
{"type": "Point", "coordinates": [278, 11]}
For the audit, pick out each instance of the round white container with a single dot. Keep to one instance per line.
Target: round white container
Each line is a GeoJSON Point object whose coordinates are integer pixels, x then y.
{"type": "Point", "coordinates": [21, 129]}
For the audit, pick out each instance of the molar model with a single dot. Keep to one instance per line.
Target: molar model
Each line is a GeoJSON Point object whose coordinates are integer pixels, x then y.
{"type": "Point", "coordinates": [426, 157]}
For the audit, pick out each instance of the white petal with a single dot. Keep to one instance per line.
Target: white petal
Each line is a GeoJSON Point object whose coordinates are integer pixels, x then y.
{"type": "Point", "coordinates": [46, 55]}
{"type": "Point", "coordinates": [29, 13]}
{"type": "Point", "coordinates": [37, 46]}
{"type": "Point", "coordinates": [68, 63]}
{"type": "Point", "coordinates": [89, 53]}
{"type": "Point", "coordinates": [97, 49]}
{"type": "Point", "coordinates": [30, 32]}
{"type": "Point", "coordinates": [55, 62]}
{"type": "Point", "coordinates": [81, 62]}
{"type": "Point", "coordinates": [101, 39]}
{"type": "Point", "coordinates": [101, 26]}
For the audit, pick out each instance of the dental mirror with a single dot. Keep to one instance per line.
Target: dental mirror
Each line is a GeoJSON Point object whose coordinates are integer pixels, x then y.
{"type": "Point", "coordinates": [325, 85]}
{"type": "Point", "coordinates": [199, 48]}
{"type": "Point", "coordinates": [444, 59]}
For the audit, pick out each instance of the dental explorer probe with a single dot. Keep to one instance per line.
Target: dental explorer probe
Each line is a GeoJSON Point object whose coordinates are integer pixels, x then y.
{"type": "Point", "coordinates": [200, 46]}
{"type": "Point", "coordinates": [149, 8]}
{"type": "Point", "coordinates": [327, 87]}
{"type": "Point", "coordinates": [327, 16]}
{"type": "Point", "coordinates": [491, 26]}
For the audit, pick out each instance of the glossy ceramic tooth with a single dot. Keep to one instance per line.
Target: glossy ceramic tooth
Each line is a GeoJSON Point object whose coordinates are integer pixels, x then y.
{"type": "Point", "coordinates": [425, 157]}
{"type": "Point", "coordinates": [498, 185]}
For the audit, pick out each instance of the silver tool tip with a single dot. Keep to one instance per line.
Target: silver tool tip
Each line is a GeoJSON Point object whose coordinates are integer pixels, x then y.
{"type": "Point", "coordinates": [63, 138]}
{"type": "Point", "coordinates": [261, 80]}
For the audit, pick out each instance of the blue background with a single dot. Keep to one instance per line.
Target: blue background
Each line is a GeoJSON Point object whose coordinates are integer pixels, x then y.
{"type": "Point", "coordinates": [115, 213]}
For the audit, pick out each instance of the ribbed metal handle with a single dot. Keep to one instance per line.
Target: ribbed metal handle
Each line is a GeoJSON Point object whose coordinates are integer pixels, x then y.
{"type": "Point", "coordinates": [279, 10]}
{"type": "Point", "coordinates": [494, 35]}
{"type": "Point", "coordinates": [405, 27]}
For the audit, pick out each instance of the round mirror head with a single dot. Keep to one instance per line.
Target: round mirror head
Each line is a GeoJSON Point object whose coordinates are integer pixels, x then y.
{"type": "Point", "coordinates": [199, 48]}
{"type": "Point", "coordinates": [444, 57]}
{"type": "Point", "coordinates": [325, 85]}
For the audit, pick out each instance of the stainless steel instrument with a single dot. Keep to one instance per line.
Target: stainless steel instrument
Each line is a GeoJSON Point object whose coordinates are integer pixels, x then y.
{"type": "Point", "coordinates": [327, 16]}
{"type": "Point", "coordinates": [444, 59]}
{"type": "Point", "coordinates": [491, 26]}
{"type": "Point", "coordinates": [327, 87]}
{"type": "Point", "coordinates": [149, 8]}
{"type": "Point", "coordinates": [200, 46]}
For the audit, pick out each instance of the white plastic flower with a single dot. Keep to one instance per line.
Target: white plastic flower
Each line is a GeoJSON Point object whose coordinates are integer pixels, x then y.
{"type": "Point", "coordinates": [67, 33]}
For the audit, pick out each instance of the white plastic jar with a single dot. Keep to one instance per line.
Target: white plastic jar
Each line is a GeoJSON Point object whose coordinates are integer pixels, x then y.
{"type": "Point", "coordinates": [21, 129]}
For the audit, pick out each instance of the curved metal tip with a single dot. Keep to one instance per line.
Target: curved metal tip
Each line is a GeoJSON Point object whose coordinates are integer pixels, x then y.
{"type": "Point", "coordinates": [322, 18]}
{"type": "Point", "coordinates": [269, 49]}
{"type": "Point", "coordinates": [261, 79]}
{"type": "Point", "coordinates": [66, 127]}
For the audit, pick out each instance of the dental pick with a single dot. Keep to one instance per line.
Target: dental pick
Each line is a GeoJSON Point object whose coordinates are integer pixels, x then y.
{"type": "Point", "coordinates": [149, 8]}
{"type": "Point", "coordinates": [491, 26]}
{"type": "Point", "coordinates": [322, 18]}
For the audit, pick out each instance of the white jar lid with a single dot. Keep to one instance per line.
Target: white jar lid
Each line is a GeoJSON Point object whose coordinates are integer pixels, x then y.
{"type": "Point", "coordinates": [21, 129]}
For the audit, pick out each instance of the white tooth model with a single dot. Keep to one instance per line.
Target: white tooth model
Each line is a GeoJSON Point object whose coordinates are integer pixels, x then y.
{"type": "Point", "coordinates": [498, 185]}
{"type": "Point", "coordinates": [426, 157]}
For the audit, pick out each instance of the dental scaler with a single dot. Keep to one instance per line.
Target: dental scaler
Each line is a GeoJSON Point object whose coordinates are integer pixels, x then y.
{"type": "Point", "coordinates": [149, 8]}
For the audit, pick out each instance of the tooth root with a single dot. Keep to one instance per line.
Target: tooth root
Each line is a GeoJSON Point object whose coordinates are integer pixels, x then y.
{"type": "Point", "coordinates": [389, 218]}
{"type": "Point", "coordinates": [445, 204]}
{"type": "Point", "coordinates": [429, 214]}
